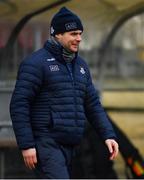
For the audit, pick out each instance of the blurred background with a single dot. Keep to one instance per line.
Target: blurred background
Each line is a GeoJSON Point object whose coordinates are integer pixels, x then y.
{"type": "Point", "coordinates": [113, 46]}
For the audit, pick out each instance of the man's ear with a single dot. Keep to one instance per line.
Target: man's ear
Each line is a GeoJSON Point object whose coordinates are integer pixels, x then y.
{"type": "Point", "coordinates": [58, 36]}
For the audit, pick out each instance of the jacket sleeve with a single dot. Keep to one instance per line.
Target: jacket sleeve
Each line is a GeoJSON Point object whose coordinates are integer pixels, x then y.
{"type": "Point", "coordinates": [95, 112]}
{"type": "Point", "coordinates": [29, 80]}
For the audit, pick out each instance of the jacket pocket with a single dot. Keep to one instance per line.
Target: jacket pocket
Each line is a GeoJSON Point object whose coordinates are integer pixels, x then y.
{"type": "Point", "coordinates": [56, 120]}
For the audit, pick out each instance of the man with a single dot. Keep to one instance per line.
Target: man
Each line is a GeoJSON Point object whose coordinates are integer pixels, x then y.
{"type": "Point", "coordinates": [53, 97]}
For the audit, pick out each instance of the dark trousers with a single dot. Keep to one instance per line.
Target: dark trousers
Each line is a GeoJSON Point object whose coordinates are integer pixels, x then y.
{"type": "Point", "coordinates": [54, 160]}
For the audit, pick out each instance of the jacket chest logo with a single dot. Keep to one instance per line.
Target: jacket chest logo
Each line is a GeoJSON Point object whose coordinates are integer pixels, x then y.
{"type": "Point", "coordinates": [54, 68]}
{"type": "Point", "coordinates": [51, 59]}
{"type": "Point", "coordinates": [82, 70]}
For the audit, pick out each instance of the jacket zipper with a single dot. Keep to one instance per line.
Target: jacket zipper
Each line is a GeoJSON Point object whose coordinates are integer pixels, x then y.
{"type": "Point", "coordinates": [73, 84]}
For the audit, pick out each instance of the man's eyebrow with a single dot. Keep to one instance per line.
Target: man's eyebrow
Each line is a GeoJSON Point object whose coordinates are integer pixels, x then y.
{"type": "Point", "coordinates": [76, 33]}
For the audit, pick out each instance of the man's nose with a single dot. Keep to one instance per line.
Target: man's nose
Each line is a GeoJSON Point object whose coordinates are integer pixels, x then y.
{"type": "Point", "coordinates": [79, 38]}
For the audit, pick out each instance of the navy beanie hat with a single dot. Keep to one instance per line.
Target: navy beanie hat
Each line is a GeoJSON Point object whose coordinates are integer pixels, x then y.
{"type": "Point", "coordinates": [65, 21]}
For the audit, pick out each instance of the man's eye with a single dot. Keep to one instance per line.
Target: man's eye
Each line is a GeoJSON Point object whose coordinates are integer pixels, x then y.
{"type": "Point", "coordinates": [73, 34]}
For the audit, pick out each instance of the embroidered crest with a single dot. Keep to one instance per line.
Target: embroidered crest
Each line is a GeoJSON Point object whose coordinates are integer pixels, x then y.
{"type": "Point", "coordinates": [82, 70]}
{"type": "Point", "coordinates": [54, 68]}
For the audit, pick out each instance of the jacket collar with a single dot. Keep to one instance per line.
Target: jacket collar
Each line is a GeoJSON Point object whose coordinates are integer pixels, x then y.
{"type": "Point", "coordinates": [56, 50]}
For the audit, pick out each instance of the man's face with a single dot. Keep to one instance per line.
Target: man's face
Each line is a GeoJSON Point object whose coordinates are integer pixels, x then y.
{"type": "Point", "coordinates": [70, 40]}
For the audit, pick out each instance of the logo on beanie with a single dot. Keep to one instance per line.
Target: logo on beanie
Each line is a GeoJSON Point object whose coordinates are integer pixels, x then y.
{"type": "Point", "coordinates": [70, 26]}
{"type": "Point", "coordinates": [52, 30]}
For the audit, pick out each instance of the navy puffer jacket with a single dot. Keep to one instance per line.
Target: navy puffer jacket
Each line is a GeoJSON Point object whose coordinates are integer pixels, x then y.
{"type": "Point", "coordinates": [50, 101]}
